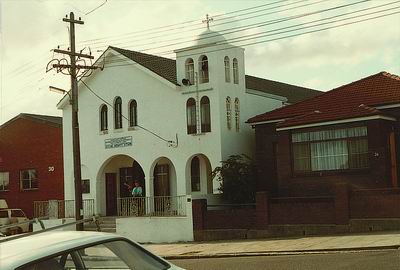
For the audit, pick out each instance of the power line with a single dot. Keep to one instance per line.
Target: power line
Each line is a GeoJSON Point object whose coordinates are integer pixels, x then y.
{"type": "Point", "coordinates": [259, 35]}
{"type": "Point", "coordinates": [163, 33]}
{"type": "Point", "coordinates": [210, 35]}
{"type": "Point", "coordinates": [112, 106]}
{"type": "Point", "coordinates": [256, 25]}
{"type": "Point", "coordinates": [162, 29]}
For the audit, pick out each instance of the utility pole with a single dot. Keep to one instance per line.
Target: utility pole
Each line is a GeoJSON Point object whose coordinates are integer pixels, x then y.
{"type": "Point", "coordinates": [73, 71]}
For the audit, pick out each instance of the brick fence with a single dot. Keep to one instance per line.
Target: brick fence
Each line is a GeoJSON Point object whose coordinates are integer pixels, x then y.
{"type": "Point", "coordinates": [346, 204]}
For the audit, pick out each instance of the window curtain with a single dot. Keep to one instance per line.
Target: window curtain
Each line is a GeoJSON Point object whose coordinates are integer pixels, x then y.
{"type": "Point", "coordinates": [334, 149]}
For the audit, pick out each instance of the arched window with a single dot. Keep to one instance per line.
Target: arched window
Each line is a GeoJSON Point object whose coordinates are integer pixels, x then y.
{"type": "Point", "coordinates": [118, 113]}
{"type": "Point", "coordinates": [227, 69]}
{"type": "Point", "coordinates": [235, 71]}
{"type": "Point", "coordinates": [228, 113]}
{"type": "Point", "coordinates": [132, 113]}
{"type": "Point", "coordinates": [195, 174]}
{"type": "Point", "coordinates": [103, 118]}
{"type": "Point", "coordinates": [237, 114]}
{"type": "Point", "coordinates": [191, 116]}
{"type": "Point", "coordinates": [189, 70]}
{"type": "Point", "coordinates": [205, 114]}
{"type": "Point", "coordinates": [203, 69]}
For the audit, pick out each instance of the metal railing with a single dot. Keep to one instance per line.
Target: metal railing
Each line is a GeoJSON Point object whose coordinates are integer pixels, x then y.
{"type": "Point", "coordinates": [160, 206]}
{"type": "Point", "coordinates": [61, 208]}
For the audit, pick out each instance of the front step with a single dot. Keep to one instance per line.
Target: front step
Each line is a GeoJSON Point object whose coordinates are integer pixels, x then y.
{"type": "Point", "coordinates": [107, 224]}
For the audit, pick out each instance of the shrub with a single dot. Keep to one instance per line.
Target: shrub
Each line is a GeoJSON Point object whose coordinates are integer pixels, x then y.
{"type": "Point", "coordinates": [236, 176]}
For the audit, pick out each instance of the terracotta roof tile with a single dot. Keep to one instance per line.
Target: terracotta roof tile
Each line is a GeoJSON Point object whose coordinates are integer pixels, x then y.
{"type": "Point", "coordinates": [348, 101]}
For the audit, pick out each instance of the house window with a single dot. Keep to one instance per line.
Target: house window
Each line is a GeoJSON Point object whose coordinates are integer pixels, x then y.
{"type": "Point", "coordinates": [235, 71]}
{"type": "Point", "coordinates": [195, 174]}
{"type": "Point", "coordinates": [228, 113]}
{"type": "Point", "coordinates": [132, 113]}
{"type": "Point", "coordinates": [118, 113]}
{"type": "Point", "coordinates": [237, 114]}
{"type": "Point", "coordinates": [28, 179]}
{"type": "Point", "coordinates": [103, 118]}
{"type": "Point", "coordinates": [85, 185]}
{"type": "Point", "coordinates": [335, 149]}
{"type": "Point", "coordinates": [4, 181]}
{"type": "Point", "coordinates": [191, 116]}
{"type": "Point", "coordinates": [203, 69]}
{"type": "Point", "coordinates": [189, 70]}
{"type": "Point", "coordinates": [205, 114]}
{"type": "Point", "coordinates": [227, 69]}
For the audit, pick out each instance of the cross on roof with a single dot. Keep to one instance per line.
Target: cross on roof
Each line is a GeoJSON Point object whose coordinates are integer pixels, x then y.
{"type": "Point", "coordinates": [207, 21]}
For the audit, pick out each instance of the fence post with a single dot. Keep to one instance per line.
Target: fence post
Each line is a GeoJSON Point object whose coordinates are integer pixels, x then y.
{"type": "Point", "coordinates": [342, 210]}
{"type": "Point", "coordinates": [199, 208]}
{"type": "Point", "coordinates": [262, 213]}
{"type": "Point", "coordinates": [53, 209]}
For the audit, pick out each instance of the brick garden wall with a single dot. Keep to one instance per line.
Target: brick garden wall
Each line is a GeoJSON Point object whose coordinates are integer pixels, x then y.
{"type": "Point", "coordinates": [375, 203]}
{"type": "Point", "coordinates": [346, 204]}
{"type": "Point", "coordinates": [302, 211]}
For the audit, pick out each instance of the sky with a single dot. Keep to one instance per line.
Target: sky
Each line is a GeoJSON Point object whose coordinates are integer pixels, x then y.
{"type": "Point", "coordinates": [323, 60]}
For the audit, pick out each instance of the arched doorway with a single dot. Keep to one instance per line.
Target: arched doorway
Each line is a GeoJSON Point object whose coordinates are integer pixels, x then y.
{"type": "Point", "coordinates": [164, 178]}
{"type": "Point", "coordinates": [198, 175]}
{"type": "Point", "coordinates": [114, 179]}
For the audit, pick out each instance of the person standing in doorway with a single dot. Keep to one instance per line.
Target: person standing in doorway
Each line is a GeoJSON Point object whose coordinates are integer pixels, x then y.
{"type": "Point", "coordinates": [136, 190]}
{"type": "Point", "coordinates": [137, 205]}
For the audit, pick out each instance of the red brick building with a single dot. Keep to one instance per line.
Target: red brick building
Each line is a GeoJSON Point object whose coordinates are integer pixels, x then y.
{"type": "Point", "coordinates": [347, 135]}
{"type": "Point", "coordinates": [31, 160]}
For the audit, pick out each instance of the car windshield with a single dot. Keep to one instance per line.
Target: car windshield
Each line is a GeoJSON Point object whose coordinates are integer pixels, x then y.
{"type": "Point", "coordinates": [110, 255]}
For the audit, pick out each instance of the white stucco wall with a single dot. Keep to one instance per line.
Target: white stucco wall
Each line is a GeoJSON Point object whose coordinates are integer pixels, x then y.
{"type": "Point", "coordinates": [161, 108]}
{"type": "Point", "coordinates": [158, 229]}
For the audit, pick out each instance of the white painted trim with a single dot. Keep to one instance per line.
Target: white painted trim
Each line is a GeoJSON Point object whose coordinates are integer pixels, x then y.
{"type": "Point", "coordinates": [268, 122]}
{"type": "Point", "coordinates": [263, 94]}
{"type": "Point", "coordinates": [339, 122]}
{"type": "Point", "coordinates": [388, 106]}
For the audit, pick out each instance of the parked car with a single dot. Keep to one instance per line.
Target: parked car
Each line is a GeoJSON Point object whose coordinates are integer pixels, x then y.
{"type": "Point", "coordinates": [61, 250]}
{"type": "Point", "coordinates": [10, 216]}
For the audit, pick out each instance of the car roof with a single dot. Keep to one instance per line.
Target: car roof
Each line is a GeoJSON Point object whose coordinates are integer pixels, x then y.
{"type": "Point", "coordinates": [17, 252]}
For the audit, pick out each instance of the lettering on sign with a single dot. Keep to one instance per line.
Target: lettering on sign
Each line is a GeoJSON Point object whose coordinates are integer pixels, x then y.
{"type": "Point", "coordinates": [118, 142]}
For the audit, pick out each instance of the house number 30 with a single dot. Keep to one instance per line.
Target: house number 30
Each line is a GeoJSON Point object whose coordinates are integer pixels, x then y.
{"type": "Point", "coordinates": [51, 169]}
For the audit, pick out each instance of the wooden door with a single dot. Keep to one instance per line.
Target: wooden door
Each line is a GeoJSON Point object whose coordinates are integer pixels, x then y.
{"type": "Point", "coordinates": [111, 194]}
{"type": "Point", "coordinates": [161, 180]}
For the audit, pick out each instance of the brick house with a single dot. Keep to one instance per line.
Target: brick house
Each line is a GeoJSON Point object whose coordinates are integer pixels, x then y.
{"type": "Point", "coordinates": [349, 135]}
{"type": "Point", "coordinates": [31, 160]}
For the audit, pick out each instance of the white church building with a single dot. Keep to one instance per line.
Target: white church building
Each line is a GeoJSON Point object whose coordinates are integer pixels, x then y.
{"type": "Point", "coordinates": [167, 123]}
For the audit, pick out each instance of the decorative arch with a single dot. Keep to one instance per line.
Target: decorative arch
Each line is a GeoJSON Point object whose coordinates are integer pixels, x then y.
{"type": "Point", "coordinates": [191, 116]}
{"type": "Point", "coordinates": [235, 71]}
{"type": "Point", "coordinates": [113, 178]}
{"type": "Point", "coordinates": [103, 117]}
{"type": "Point", "coordinates": [205, 114]}
{"type": "Point", "coordinates": [189, 70]}
{"type": "Point", "coordinates": [118, 113]}
{"type": "Point", "coordinates": [132, 108]}
{"type": "Point", "coordinates": [198, 173]}
{"type": "Point", "coordinates": [227, 69]}
{"type": "Point", "coordinates": [228, 113]}
{"type": "Point", "coordinates": [164, 177]}
{"type": "Point", "coordinates": [237, 114]}
{"type": "Point", "coordinates": [203, 69]}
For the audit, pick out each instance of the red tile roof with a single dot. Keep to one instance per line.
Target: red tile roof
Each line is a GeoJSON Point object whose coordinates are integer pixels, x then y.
{"type": "Point", "coordinates": [356, 99]}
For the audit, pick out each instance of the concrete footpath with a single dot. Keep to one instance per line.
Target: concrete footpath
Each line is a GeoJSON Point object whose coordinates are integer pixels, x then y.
{"type": "Point", "coordinates": [300, 245]}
